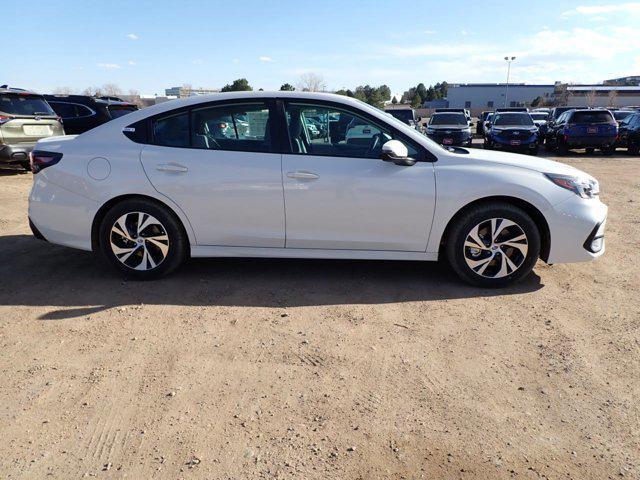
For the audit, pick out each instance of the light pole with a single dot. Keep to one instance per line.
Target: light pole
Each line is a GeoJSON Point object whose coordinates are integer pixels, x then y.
{"type": "Point", "coordinates": [506, 91]}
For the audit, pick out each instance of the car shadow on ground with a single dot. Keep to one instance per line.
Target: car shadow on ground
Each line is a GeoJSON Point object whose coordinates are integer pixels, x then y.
{"type": "Point", "coordinates": [76, 283]}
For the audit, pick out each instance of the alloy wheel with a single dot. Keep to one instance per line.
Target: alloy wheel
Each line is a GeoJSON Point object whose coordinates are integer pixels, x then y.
{"type": "Point", "coordinates": [139, 241]}
{"type": "Point", "coordinates": [495, 248]}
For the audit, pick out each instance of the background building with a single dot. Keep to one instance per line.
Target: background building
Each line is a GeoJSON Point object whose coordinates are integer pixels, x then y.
{"type": "Point", "coordinates": [188, 91]}
{"type": "Point", "coordinates": [602, 95]}
{"type": "Point", "coordinates": [487, 96]}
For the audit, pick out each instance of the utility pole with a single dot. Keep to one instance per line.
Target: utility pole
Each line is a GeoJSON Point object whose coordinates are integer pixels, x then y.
{"type": "Point", "coordinates": [506, 91]}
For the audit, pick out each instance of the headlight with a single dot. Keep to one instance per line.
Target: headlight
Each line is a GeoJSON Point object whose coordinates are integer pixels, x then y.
{"type": "Point", "coordinates": [430, 130]}
{"type": "Point", "coordinates": [466, 130]}
{"type": "Point", "coordinates": [582, 186]}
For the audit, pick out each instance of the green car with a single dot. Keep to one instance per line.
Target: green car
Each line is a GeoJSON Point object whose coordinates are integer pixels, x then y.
{"type": "Point", "coordinates": [25, 118]}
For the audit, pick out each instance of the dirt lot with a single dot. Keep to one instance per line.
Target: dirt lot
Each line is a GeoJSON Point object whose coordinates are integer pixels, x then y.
{"type": "Point", "coordinates": [313, 369]}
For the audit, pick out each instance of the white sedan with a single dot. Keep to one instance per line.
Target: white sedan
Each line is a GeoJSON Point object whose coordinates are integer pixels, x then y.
{"type": "Point", "coordinates": [239, 175]}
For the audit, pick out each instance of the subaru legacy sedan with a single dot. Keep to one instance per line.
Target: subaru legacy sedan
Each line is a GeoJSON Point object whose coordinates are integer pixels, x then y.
{"type": "Point", "coordinates": [240, 175]}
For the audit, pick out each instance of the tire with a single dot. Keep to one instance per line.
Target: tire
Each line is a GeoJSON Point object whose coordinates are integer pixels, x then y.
{"type": "Point", "coordinates": [495, 272]}
{"type": "Point", "coordinates": [548, 146]}
{"type": "Point", "coordinates": [26, 166]}
{"type": "Point", "coordinates": [534, 151]}
{"type": "Point", "coordinates": [159, 248]}
{"type": "Point", "coordinates": [590, 150]}
{"type": "Point", "coordinates": [486, 145]}
{"type": "Point", "coordinates": [562, 148]}
{"type": "Point", "coordinates": [608, 151]}
{"type": "Point", "coordinates": [633, 149]}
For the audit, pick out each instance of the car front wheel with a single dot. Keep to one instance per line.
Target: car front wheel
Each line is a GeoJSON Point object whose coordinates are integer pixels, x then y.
{"type": "Point", "coordinates": [493, 245]}
{"type": "Point", "coordinates": [142, 239]}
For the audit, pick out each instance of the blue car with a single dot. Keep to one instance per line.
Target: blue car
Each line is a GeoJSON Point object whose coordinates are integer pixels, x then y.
{"type": "Point", "coordinates": [588, 129]}
{"type": "Point", "coordinates": [512, 131]}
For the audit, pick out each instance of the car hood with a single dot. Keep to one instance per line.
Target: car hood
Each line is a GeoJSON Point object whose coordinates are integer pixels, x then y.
{"type": "Point", "coordinates": [448, 127]}
{"type": "Point", "coordinates": [529, 162]}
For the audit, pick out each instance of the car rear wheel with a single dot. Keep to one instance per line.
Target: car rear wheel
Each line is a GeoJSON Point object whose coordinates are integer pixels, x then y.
{"type": "Point", "coordinates": [493, 245]}
{"type": "Point", "coordinates": [633, 149]}
{"type": "Point", "coordinates": [142, 239]}
{"type": "Point", "coordinates": [608, 151]}
{"type": "Point", "coordinates": [589, 151]}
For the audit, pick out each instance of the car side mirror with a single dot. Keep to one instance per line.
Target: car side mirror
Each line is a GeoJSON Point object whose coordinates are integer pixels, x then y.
{"type": "Point", "coordinates": [395, 151]}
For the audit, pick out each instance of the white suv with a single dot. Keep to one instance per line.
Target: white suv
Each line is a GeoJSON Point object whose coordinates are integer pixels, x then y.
{"type": "Point", "coordinates": [241, 175]}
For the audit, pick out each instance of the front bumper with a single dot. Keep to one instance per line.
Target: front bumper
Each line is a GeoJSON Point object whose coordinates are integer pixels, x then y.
{"type": "Point", "coordinates": [574, 225]}
{"type": "Point", "coordinates": [18, 153]}
{"type": "Point", "coordinates": [451, 139]}
{"type": "Point", "coordinates": [575, 142]}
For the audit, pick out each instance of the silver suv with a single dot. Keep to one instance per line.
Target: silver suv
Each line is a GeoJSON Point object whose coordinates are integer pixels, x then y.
{"type": "Point", "coordinates": [25, 118]}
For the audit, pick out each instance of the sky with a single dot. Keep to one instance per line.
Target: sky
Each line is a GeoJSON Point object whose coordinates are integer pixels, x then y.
{"type": "Point", "coordinates": [152, 45]}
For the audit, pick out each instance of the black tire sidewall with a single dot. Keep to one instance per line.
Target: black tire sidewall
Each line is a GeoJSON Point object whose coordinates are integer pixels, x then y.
{"type": "Point", "coordinates": [464, 224]}
{"type": "Point", "coordinates": [177, 240]}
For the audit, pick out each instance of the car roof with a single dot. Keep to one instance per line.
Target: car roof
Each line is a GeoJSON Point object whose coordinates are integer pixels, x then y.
{"type": "Point", "coordinates": [6, 89]}
{"type": "Point", "coordinates": [86, 99]}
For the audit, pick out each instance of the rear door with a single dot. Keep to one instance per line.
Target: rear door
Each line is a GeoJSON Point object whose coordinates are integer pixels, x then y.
{"type": "Point", "coordinates": [219, 164]}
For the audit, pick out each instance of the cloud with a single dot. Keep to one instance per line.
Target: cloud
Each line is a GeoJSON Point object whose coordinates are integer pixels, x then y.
{"type": "Point", "coordinates": [629, 7]}
{"type": "Point", "coordinates": [197, 61]}
{"type": "Point", "coordinates": [235, 60]}
{"type": "Point", "coordinates": [132, 36]}
{"type": "Point", "coordinates": [109, 66]}
{"type": "Point", "coordinates": [464, 33]}
{"type": "Point", "coordinates": [265, 59]}
{"type": "Point", "coordinates": [131, 62]}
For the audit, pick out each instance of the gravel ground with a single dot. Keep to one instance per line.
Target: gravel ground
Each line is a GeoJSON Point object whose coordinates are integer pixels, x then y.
{"type": "Point", "coordinates": [250, 369]}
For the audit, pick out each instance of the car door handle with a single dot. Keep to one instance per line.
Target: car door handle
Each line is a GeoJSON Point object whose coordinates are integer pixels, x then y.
{"type": "Point", "coordinates": [303, 175]}
{"type": "Point", "coordinates": [171, 167]}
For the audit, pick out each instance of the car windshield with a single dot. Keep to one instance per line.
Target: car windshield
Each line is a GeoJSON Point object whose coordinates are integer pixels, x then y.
{"type": "Point", "coordinates": [24, 104]}
{"type": "Point", "coordinates": [592, 116]}
{"type": "Point", "coordinates": [621, 114]}
{"type": "Point", "coordinates": [521, 119]}
{"type": "Point", "coordinates": [448, 119]}
{"type": "Point", "coordinates": [539, 116]}
{"type": "Point", "coordinates": [404, 115]}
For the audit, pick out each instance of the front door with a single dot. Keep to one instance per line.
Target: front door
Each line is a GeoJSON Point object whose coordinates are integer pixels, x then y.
{"type": "Point", "coordinates": [339, 194]}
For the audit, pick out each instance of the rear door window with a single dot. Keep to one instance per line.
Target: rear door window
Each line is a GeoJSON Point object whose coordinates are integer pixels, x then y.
{"type": "Point", "coordinates": [242, 128]}
{"type": "Point", "coordinates": [24, 104]}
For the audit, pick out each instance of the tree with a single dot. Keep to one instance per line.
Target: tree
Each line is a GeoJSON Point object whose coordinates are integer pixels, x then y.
{"type": "Point", "coordinates": [613, 98]}
{"type": "Point", "coordinates": [394, 100]}
{"type": "Point", "coordinates": [287, 88]}
{"type": "Point", "coordinates": [111, 90]}
{"type": "Point", "coordinates": [537, 102]}
{"type": "Point", "coordinates": [63, 91]}
{"type": "Point", "coordinates": [239, 85]}
{"type": "Point", "coordinates": [417, 101]}
{"type": "Point", "coordinates": [311, 82]}
{"type": "Point", "coordinates": [591, 98]}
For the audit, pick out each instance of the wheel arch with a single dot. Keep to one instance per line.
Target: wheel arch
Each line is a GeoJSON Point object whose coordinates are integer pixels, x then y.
{"type": "Point", "coordinates": [536, 215]}
{"type": "Point", "coordinates": [102, 211]}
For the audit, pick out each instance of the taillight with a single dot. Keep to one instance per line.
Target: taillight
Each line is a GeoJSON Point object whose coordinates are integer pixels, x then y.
{"type": "Point", "coordinates": [40, 160]}
{"type": "Point", "coordinates": [4, 119]}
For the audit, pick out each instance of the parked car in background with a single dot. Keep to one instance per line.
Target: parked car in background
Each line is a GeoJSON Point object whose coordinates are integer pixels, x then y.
{"type": "Point", "coordinates": [512, 131]}
{"type": "Point", "coordinates": [512, 109]}
{"type": "Point", "coordinates": [620, 115]}
{"type": "Point", "coordinates": [554, 115]}
{"type": "Point", "coordinates": [589, 129]}
{"type": "Point", "coordinates": [480, 125]}
{"type": "Point", "coordinates": [406, 115]}
{"type": "Point", "coordinates": [487, 123]}
{"type": "Point", "coordinates": [466, 112]}
{"type": "Point", "coordinates": [629, 133]}
{"type": "Point", "coordinates": [152, 188]}
{"type": "Point", "coordinates": [25, 118]}
{"type": "Point", "coordinates": [449, 129]}
{"type": "Point", "coordinates": [540, 119]}
{"type": "Point", "coordinates": [81, 113]}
